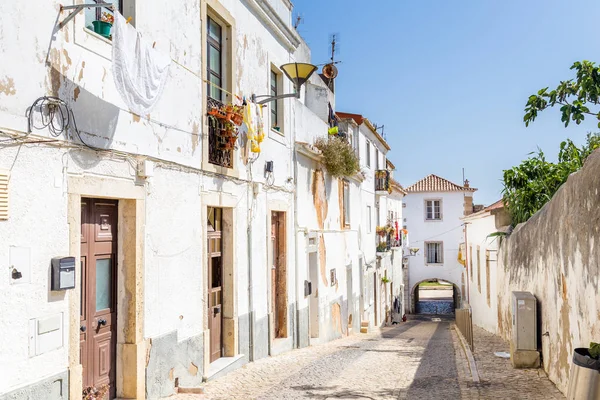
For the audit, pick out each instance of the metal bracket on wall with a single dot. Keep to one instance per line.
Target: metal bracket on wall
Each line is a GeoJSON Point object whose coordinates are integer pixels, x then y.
{"type": "Point", "coordinates": [76, 9]}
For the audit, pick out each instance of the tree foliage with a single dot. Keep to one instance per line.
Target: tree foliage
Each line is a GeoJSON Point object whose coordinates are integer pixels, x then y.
{"type": "Point", "coordinates": [573, 96]}
{"type": "Point", "coordinates": [530, 185]}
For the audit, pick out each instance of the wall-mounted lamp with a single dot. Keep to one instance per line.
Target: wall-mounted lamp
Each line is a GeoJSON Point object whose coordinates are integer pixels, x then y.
{"type": "Point", "coordinates": [298, 73]}
{"type": "Point", "coordinates": [413, 251]}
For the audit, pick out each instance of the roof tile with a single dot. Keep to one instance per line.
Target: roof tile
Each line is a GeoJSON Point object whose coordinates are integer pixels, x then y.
{"type": "Point", "coordinates": [434, 183]}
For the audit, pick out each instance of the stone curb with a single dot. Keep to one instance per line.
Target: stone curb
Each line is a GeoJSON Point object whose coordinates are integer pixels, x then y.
{"type": "Point", "coordinates": [469, 354]}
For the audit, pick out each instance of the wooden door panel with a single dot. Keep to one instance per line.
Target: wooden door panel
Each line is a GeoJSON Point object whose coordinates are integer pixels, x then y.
{"type": "Point", "coordinates": [98, 292]}
{"type": "Point", "coordinates": [215, 283]}
{"type": "Point", "coordinates": [103, 357]}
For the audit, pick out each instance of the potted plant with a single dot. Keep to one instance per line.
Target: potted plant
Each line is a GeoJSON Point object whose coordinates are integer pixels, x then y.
{"type": "Point", "coordinates": [102, 27]}
{"type": "Point", "coordinates": [94, 393]}
{"type": "Point", "coordinates": [381, 231]}
{"type": "Point", "coordinates": [382, 247]}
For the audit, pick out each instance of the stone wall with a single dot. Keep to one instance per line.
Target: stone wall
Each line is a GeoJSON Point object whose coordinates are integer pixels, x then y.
{"type": "Point", "coordinates": [556, 256]}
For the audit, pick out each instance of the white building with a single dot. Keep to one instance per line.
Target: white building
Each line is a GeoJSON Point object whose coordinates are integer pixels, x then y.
{"type": "Point", "coordinates": [380, 271]}
{"type": "Point", "coordinates": [184, 249]}
{"type": "Point", "coordinates": [186, 257]}
{"type": "Point", "coordinates": [433, 210]}
{"type": "Point", "coordinates": [482, 259]}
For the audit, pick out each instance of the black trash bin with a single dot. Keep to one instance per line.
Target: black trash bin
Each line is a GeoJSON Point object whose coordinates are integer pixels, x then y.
{"type": "Point", "coordinates": [584, 380]}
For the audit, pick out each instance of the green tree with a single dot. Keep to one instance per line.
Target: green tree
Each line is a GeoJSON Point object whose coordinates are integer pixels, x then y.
{"type": "Point", "coordinates": [531, 184]}
{"type": "Point", "coordinates": [574, 96]}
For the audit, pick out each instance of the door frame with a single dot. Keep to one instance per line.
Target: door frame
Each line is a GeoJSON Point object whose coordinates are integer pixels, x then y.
{"type": "Point", "coordinates": [278, 345]}
{"type": "Point", "coordinates": [274, 299]}
{"type": "Point", "coordinates": [131, 346]}
{"type": "Point", "coordinates": [229, 327]}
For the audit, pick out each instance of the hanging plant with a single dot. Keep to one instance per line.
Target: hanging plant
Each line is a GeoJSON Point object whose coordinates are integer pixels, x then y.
{"type": "Point", "coordinates": [339, 157]}
{"type": "Point", "coordinates": [382, 247]}
{"type": "Point", "coordinates": [381, 231]}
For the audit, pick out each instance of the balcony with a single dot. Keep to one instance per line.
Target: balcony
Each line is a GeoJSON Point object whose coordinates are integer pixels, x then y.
{"type": "Point", "coordinates": [220, 148]}
{"type": "Point", "coordinates": [383, 185]}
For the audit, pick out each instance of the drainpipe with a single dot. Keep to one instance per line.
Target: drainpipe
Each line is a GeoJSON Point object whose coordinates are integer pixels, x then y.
{"type": "Point", "coordinates": [467, 263]}
{"type": "Point", "coordinates": [249, 255]}
{"type": "Point", "coordinates": [296, 255]}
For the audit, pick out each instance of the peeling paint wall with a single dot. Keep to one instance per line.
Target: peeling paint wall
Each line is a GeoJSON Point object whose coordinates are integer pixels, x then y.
{"type": "Point", "coordinates": [555, 255]}
{"type": "Point", "coordinates": [80, 73]}
{"type": "Point", "coordinates": [480, 226]}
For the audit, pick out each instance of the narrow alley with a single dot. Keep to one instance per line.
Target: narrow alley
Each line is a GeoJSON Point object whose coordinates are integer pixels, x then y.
{"type": "Point", "coordinates": [420, 359]}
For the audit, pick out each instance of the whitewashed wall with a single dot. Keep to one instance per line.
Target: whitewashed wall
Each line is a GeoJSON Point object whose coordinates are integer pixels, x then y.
{"type": "Point", "coordinates": [449, 231]}
{"type": "Point", "coordinates": [80, 73]}
{"type": "Point", "coordinates": [484, 312]}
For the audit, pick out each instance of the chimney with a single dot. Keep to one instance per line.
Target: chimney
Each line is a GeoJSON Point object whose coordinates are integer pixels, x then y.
{"type": "Point", "coordinates": [468, 204]}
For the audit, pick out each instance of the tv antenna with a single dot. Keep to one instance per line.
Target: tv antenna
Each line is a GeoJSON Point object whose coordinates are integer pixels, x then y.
{"type": "Point", "coordinates": [299, 19]}
{"type": "Point", "coordinates": [382, 127]}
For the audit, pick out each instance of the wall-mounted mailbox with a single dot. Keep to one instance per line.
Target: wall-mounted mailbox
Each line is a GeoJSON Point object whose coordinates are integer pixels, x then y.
{"type": "Point", "coordinates": [307, 288]}
{"type": "Point", "coordinates": [63, 273]}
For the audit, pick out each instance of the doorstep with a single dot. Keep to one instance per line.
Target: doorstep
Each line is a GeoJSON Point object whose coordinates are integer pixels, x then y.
{"type": "Point", "coordinates": [222, 366]}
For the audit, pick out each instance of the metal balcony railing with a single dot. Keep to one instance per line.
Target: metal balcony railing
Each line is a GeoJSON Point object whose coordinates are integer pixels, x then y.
{"type": "Point", "coordinates": [217, 153]}
{"type": "Point", "coordinates": [382, 181]}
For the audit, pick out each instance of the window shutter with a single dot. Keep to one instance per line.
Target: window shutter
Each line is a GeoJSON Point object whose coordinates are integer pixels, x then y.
{"type": "Point", "coordinates": [4, 177]}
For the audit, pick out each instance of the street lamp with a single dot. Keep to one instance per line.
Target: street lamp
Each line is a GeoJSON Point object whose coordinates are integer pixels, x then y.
{"type": "Point", "coordinates": [298, 73]}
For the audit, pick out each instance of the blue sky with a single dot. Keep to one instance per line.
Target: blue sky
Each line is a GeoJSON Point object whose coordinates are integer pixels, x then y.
{"type": "Point", "coordinates": [449, 79]}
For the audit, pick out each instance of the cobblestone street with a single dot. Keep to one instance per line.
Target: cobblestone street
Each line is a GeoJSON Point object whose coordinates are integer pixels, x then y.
{"type": "Point", "coordinates": [419, 359]}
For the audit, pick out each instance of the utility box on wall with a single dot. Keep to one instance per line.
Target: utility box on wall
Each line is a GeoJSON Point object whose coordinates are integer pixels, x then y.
{"type": "Point", "coordinates": [523, 346]}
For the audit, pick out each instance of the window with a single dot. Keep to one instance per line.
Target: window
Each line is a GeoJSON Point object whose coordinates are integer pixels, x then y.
{"type": "Point", "coordinates": [275, 103]}
{"type": "Point", "coordinates": [471, 261]}
{"type": "Point", "coordinates": [376, 159]}
{"type": "Point", "coordinates": [434, 252]}
{"type": "Point", "coordinates": [368, 154]}
{"type": "Point", "coordinates": [346, 204]}
{"type": "Point", "coordinates": [487, 277]}
{"type": "Point", "coordinates": [214, 59]}
{"type": "Point", "coordinates": [96, 13]}
{"type": "Point", "coordinates": [220, 147]}
{"type": "Point", "coordinates": [478, 269]}
{"type": "Point", "coordinates": [369, 219]}
{"type": "Point", "coordinates": [433, 210]}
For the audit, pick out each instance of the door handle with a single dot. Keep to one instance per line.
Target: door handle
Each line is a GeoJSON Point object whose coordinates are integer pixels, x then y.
{"type": "Point", "coordinates": [82, 328]}
{"type": "Point", "coordinates": [102, 322]}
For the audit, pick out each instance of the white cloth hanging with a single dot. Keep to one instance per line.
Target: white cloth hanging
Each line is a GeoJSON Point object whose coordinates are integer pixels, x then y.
{"type": "Point", "coordinates": [139, 71]}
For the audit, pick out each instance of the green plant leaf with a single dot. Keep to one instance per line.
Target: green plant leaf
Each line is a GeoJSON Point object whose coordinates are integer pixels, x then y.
{"type": "Point", "coordinates": [496, 234]}
{"type": "Point", "coordinates": [594, 350]}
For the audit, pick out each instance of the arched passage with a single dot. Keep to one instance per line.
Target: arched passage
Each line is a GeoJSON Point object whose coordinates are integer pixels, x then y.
{"type": "Point", "coordinates": [434, 296]}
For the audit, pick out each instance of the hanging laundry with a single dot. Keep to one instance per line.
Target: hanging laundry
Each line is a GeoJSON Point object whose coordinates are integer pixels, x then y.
{"type": "Point", "coordinates": [249, 112]}
{"type": "Point", "coordinates": [332, 118]}
{"type": "Point", "coordinates": [139, 71]}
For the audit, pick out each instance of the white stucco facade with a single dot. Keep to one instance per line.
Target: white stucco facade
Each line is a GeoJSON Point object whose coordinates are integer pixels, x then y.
{"type": "Point", "coordinates": [482, 251]}
{"type": "Point", "coordinates": [447, 231]}
{"type": "Point", "coordinates": [162, 243]}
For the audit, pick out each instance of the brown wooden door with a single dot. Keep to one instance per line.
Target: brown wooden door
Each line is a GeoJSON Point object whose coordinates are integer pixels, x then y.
{"type": "Point", "coordinates": [215, 282]}
{"type": "Point", "coordinates": [278, 275]}
{"type": "Point", "coordinates": [98, 293]}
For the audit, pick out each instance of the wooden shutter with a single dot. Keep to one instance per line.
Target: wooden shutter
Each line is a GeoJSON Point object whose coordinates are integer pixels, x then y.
{"type": "Point", "coordinates": [4, 177]}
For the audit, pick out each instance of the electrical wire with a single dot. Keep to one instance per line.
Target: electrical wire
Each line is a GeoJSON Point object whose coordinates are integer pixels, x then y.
{"type": "Point", "coordinates": [434, 236]}
{"type": "Point", "coordinates": [56, 116]}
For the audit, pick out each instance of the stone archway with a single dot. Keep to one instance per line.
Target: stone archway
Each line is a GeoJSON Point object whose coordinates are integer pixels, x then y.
{"type": "Point", "coordinates": [453, 303]}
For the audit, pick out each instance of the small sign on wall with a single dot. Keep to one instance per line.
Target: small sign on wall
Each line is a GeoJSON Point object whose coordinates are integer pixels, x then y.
{"type": "Point", "coordinates": [19, 264]}
{"type": "Point", "coordinates": [45, 334]}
